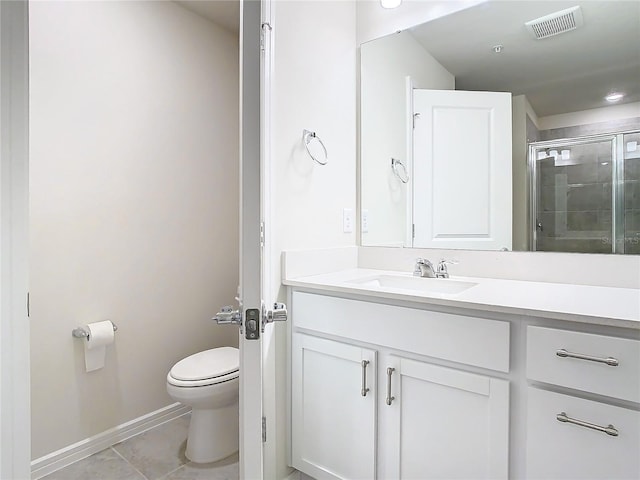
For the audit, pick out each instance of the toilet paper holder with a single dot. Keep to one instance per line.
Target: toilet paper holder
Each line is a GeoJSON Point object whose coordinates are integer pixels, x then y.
{"type": "Point", "coordinates": [80, 332]}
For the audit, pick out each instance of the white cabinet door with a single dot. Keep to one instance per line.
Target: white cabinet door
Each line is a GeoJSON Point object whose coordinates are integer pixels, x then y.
{"type": "Point", "coordinates": [442, 423]}
{"type": "Point", "coordinates": [333, 414]}
{"type": "Point", "coordinates": [462, 169]}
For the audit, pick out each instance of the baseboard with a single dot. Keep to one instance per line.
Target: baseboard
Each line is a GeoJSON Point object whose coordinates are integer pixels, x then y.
{"type": "Point", "coordinates": [66, 456]}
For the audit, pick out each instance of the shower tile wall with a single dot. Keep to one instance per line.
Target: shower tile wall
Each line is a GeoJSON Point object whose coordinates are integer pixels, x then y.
{"type": "Point", "coordinates": [574, 199]}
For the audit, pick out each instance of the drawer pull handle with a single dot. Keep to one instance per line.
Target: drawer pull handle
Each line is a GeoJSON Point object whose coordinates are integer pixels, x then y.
{"type": "Point", "coordinates": [609, 430]}
{"type": "Point", "coordinates": [389, 397]}
{"type": "Point", "coordinates": [612, 362]}
{"type": "Point", "coordinates": [364, 390]}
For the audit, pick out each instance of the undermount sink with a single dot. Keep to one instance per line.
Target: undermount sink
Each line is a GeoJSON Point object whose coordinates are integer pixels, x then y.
{"type": "Point", "coordinates": [415, 284]}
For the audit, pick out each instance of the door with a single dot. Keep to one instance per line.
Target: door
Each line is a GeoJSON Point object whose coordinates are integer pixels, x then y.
{"type": "Point", "coordinates": [442, 423]}
{"type": "Point", "coordinates": [584, 194]}
{"type": "Point", "coordinates": [333, 409]}
{"type": "Point", "coordinates": [15, 414]}
{"type": "Point", "coordinates": [462, 169]}
{"type": "Point", "coordinates": [573, 195]}
{"type": "Point", "coordinates": [254, 264]}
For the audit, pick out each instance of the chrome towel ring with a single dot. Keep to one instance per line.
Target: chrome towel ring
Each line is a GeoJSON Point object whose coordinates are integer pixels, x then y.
{"type": "Point", "coordinates": [307, 136]}
{"type": "Point", "coordinates": [403, 176]}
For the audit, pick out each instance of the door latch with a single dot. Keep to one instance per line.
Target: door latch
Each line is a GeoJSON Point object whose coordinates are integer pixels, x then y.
{"type": "Point", "coordinates": [228, 316]}
{"type": "Point", "coordinates": [278, 314]}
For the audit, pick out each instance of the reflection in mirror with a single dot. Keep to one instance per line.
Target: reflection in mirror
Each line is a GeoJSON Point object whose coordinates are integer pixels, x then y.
{"type": "Point", "coordinates": [581, 194]}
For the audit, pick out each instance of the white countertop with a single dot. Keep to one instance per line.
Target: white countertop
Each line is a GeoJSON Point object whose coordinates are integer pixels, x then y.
{"type": "Point", "coordinates": [582, 303]}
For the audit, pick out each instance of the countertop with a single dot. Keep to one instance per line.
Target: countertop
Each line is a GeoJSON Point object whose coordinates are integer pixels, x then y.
{"type": "Point", "coordinates": [618, 307]}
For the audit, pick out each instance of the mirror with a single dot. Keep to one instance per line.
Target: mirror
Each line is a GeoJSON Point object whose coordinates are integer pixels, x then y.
{"type": "Point", "coordinates": [557, 87]}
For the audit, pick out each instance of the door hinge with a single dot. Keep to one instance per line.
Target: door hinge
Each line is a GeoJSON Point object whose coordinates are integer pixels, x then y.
{"type": "Point", "coordinates": [262, 234]}
{"type": "Point", "coordinates": [263, 28]}
{"type": "Point", "coordinates": [415, 115]}
{"type": "Point", "coordinates": [413, 230]}
{"type": "Point", "coordinates": [28, 304]}
{"type": "Point", "coordinates": [264, 429]}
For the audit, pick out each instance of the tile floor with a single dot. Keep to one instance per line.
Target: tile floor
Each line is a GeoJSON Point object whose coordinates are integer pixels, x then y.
{"type": "Point", "coordinates": [157, 454]}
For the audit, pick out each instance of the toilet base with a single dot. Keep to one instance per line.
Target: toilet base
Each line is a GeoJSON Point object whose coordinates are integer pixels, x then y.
{"type": "Point", "coordinates": [213, 434]}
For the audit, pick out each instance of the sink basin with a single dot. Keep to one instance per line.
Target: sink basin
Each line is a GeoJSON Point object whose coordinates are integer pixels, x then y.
{"type": "Point", "coordinates": [446, 286]}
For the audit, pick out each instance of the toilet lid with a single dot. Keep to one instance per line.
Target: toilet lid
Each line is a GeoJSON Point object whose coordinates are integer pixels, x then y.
{"type": "Point", "coordinates": [208, 364]}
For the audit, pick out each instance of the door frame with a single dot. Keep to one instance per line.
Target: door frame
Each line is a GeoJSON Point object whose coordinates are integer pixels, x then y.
{"type": "Point", "coordinates": [15, 414]}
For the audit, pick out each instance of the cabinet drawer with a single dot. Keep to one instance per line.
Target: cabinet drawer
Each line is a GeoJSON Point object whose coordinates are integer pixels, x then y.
{"type": "Point", "coordinates": [565, 450]}
{"type": "Point", "coordinates": [545, 365]}
{"type": "Point", "coordinates": [473, 341]}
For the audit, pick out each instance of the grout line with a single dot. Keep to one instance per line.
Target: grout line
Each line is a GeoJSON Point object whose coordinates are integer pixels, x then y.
{"type": "Point", "coordinates": [172, 471]}
{"type": "Point", "coordinates": [132, 466]}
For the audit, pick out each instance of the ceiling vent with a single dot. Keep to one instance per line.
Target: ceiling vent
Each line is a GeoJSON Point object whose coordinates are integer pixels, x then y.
{"type": "Point", "coordinates": [555, 23]}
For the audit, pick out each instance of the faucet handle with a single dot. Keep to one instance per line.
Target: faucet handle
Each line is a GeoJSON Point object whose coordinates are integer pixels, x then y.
{"type": "Point", "coordinates": [442, 271]}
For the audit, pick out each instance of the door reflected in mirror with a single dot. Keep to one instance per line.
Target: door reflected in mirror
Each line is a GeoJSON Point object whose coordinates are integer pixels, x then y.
{"type": "Point", "coordinates": [432, 177]}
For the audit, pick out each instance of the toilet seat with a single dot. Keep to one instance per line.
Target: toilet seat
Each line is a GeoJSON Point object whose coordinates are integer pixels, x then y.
{"type": "Point", "coordinates": [210, 367]}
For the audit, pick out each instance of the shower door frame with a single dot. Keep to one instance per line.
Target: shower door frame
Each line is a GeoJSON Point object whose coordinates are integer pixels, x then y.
{"type": "Point", "coordinates": [617, 182]}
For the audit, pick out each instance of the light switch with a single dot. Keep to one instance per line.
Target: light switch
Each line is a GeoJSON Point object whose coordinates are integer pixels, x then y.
{"type": "Point", "coordinates": [347, 220]}
{"type": "Point", "coordinates": [365, 221]}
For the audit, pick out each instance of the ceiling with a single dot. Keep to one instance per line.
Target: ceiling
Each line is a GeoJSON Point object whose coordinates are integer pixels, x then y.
{"type": "Point", "coordinates": [564, 73]}
{"type": "Point", "coordinates": [225, 13]}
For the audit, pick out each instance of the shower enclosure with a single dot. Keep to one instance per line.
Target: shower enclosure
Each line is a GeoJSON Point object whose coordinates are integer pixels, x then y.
{"type": "Point", "coordinates": [585, 194]}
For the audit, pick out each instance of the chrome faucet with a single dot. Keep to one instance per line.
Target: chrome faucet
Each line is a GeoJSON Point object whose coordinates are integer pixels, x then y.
{"type": "Point", "coordinates": [424, 268]}
{"type": "Point", "coordinates": [441, 271]}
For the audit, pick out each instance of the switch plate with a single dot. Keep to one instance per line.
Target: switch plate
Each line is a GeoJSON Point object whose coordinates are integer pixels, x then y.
{"type": "Point", "coordinates": [365, 221]}
{"type": "Point", "coordinates": [347, 220]}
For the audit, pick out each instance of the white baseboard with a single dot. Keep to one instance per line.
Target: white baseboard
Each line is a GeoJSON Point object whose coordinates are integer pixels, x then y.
{"type": "Point", "coordinates": [66, 456]}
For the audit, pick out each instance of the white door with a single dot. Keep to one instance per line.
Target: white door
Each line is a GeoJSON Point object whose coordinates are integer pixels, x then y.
{"type": "Point", "coordinates": [442, 423]}
{"type": "Point", "coordinates": [254, 265]}
{"type": "Point", "coordinates": [462, 169]}
{"type": "Point", "coordinates": [333, 409]}
{"type": "Point", "coordinates": [15, 414]}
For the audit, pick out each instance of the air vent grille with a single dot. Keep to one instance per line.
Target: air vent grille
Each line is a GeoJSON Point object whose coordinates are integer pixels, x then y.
{"type": "Point", "coordinates": [556, 23]}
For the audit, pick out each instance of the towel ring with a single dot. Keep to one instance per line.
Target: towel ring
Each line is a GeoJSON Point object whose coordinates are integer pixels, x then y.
{"type": "Point", "coordinates": [404, 176]}
{"type": "Point", "coordinates": [307, 136]}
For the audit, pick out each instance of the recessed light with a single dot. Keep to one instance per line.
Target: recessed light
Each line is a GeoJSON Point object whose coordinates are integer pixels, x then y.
{"type": "Point", "coordinates": [390, 3]}
{"type": "Point", "coordinates": [614, 97]}
{"type": "Point", "coordinates": [497, 48]}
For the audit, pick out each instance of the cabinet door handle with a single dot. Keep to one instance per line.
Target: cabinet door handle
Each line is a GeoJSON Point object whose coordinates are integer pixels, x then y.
{"type": "Point", "coordinates": [390, 399]}
{"type": "Point", "coordinates": [609, 430]}
{"type": "Point", "coordinates": [364, 390]}
{"type": "Point", "coordinates": [612, 362]}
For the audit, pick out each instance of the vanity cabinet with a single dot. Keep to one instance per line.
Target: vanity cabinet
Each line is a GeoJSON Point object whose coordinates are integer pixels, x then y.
{"type": "Point", "coordinates": [386, 410]}
{"type": "Point", "coordinates": [333, 408]}
{"type": "Point", "coordinates": [439, 422]}
{"type": "Point", "coordinates": [573, 437]}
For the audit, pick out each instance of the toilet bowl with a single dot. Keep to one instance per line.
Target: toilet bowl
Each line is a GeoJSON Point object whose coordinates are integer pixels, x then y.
{"type": "Point", "coordinates": [208, 383]}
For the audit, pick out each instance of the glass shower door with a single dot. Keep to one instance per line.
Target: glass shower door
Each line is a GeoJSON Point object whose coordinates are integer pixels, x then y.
{"type": "Point", "coordinates": [631, 197]}
{"type": "Point", "coordinates": [573, 183]}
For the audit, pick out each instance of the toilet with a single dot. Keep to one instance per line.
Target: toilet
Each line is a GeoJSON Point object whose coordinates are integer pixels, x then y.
{"type": "Point", "coordinates": [208, 383]}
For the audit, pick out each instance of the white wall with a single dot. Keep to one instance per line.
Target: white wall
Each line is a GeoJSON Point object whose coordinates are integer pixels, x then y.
{"type": "Point", "coordinates": [314, 88]}
{"type": "Point", "coordinates": [375, 22]}
{"type": "Point", "coordinates": [586, 117]}
{"type": "Point", "coordinates": [385, 64]}
{"type": "Point", "coordinates": [134, 211]}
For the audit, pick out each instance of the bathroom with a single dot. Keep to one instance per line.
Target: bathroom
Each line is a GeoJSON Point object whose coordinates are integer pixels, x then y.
{"type": "Point", "coordinates": [309, 36]}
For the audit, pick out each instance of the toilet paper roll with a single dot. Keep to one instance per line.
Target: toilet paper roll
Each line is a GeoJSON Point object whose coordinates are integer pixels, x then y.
{"type": "Point", "coordinates": [95, 348]}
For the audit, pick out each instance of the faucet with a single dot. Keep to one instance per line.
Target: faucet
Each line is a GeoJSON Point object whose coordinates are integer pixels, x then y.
{"type": "Point", "coordinates": [424, 268]}
{"type": "Point", "coordinates": [441, 271]}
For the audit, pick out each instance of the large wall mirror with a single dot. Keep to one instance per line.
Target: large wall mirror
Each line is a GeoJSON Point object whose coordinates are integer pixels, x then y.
{"type": "Point", "coordinates": [489, 129]}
